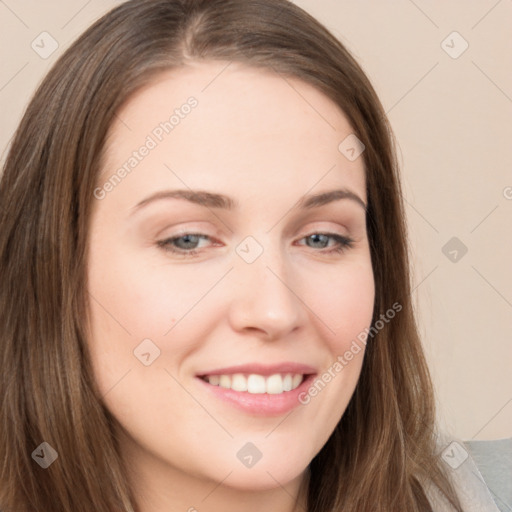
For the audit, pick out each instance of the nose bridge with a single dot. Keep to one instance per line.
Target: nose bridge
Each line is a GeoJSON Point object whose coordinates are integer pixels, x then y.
{"type": "Point", "coordinates": [265, 299]}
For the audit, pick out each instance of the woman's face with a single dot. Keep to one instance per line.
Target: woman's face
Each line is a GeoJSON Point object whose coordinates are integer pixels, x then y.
{"type": "Point", "coordinates": [259, 277]}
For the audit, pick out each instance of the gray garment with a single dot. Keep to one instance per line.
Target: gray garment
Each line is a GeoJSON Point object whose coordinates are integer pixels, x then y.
{"type": "Point", "coordinates": [494, 461]}
{"type": "Point", "coordinates": [466, 465]}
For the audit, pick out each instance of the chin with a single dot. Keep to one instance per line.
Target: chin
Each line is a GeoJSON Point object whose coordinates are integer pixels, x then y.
{"type": "Point", "coordinates": [259, 482]}
{"type": "Point", "coordinates": [279, 471]}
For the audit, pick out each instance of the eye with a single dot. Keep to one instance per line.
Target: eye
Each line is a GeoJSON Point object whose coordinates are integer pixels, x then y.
{"type": "Point", "coordinates": [184, 244]}
{"type": "Point", "coordinates": [188, 243]}
{"type": "Point", "coordinates": [321, 241]}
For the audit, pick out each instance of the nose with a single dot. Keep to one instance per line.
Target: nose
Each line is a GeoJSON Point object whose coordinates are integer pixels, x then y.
{"type": "Point", "coordinates": [266, 300]}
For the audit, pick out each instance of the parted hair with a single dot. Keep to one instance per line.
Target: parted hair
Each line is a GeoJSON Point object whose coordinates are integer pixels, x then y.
{"type": "Point", "coordinates": [382, 454]}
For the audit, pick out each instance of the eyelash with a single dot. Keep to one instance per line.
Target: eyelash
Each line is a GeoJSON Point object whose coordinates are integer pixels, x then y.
{"type": "Point", "coordinates": [343, 243]}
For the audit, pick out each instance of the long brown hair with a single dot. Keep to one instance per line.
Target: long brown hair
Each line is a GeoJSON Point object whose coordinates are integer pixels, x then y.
{"type": "Point", "coordinates": [382, 453]}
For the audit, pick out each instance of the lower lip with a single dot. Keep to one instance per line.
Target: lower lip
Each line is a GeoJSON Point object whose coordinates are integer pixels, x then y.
{"type": "Point", "coordinates": [261, 404]}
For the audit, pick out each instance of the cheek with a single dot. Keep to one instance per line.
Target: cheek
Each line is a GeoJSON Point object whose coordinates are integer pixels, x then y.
{"type": "Point", "coordinates": [139, 296]}
{"type": "Point", "coordinates": [345, 304]}
{"type": "Point", "coordinates": [343, 310]}
{"type": "Point", "coordinates": [136, 297]}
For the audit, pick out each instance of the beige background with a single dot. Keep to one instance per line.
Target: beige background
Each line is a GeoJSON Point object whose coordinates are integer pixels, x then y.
{"type": "Point", "coordinates": [453, 121]}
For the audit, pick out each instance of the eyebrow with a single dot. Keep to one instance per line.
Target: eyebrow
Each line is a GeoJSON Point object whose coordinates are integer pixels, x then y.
{"type": "Point", "coordinates": [221, 201]}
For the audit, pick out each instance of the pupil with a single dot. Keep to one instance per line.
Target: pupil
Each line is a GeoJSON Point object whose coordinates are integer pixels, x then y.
{"type": "Point", "coordinates": [316, 238]}
{"type": "Point", "coordinates": [189, 240]}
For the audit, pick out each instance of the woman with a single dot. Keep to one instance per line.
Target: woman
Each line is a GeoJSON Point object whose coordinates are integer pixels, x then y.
{"type": "Point", "coordinates": [205, 293]}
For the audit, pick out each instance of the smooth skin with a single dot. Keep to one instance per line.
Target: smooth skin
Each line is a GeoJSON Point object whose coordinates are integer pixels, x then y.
{"type": "Point", "coordinates": [265, 141]}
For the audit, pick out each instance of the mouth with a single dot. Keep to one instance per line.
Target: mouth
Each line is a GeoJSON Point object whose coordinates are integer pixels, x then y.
{"type": "Point", "coordinates": [256, 384]}
{"type": "Point", "coordinates": [255, 394]}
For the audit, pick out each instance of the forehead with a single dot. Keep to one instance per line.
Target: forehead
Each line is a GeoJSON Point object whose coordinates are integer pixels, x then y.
{"type": "Point", "coordinates": [247, 125]}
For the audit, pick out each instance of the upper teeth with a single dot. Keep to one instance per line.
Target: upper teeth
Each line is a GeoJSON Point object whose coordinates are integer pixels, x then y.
{"type": "Point", "coordinates": [253, 383]}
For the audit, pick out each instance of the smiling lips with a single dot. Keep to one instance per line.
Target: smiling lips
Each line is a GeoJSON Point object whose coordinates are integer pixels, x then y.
{"type": "Point", "coordinates": [254, 383]}
{"type": "Point", "coordinates": [264, 383]}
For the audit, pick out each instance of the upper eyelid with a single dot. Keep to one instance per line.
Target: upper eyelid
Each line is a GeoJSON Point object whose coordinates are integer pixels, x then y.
{"type": "Point", "coordinates": [345, 228]}
{"type": "Point", "coordinates": [218, 231]}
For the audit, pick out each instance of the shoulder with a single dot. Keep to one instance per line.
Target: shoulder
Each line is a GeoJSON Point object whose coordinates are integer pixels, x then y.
{"type": "Point", "coordinates": [465, 464]}
{"type": "Point", "coordinates": [493, 460]}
